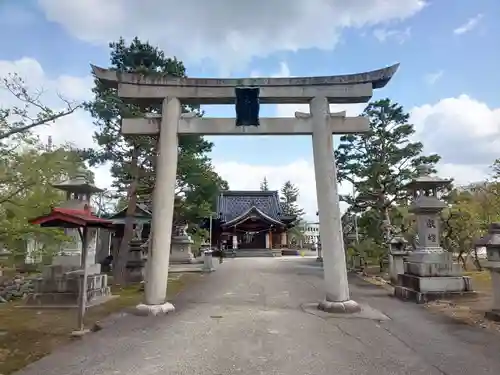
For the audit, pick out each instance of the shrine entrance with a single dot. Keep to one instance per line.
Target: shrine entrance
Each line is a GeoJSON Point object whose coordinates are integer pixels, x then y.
{"type": "Point", "coordinates": [251, 239]}
{"type": "Point", "coordinates": [247, 94]}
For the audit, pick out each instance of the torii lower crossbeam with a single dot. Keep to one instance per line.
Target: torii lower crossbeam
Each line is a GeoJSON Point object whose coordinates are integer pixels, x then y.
{"type": "Point", "coordinates": [301, 125]}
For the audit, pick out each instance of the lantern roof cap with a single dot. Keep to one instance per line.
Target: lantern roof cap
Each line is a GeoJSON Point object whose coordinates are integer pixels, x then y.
{"type": "Point", "coordinates": [424, 180]}
{"type": "Point", "coordinates": [80, 183]}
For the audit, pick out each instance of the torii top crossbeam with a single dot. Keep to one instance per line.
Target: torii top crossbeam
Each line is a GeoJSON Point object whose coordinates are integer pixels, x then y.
{"type": "Point", "coordinates": [349, 88]}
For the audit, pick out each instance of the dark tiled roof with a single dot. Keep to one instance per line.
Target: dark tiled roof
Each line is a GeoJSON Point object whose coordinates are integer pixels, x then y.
{"type": "Point", "coordinates": [233, 203]}
{"type": "Point", "coordinates": [142, 210]}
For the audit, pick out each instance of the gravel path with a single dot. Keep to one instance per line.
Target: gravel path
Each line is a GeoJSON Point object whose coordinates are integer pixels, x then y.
{"type": "Point", "coordinates": [248, 318]}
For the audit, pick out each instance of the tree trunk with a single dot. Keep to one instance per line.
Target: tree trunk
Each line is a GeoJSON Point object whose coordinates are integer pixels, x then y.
{"type": "Point", "coordinates": [120, 264]}
{"type": "Point", "coordinates": [460, 258]}
{"type": "Point", "coordinates": [476, 260]}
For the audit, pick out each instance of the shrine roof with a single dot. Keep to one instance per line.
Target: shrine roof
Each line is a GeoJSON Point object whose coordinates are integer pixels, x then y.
{"type": "Point", "coordinates": [232, 204]}
{"type": "Point", "coordinates": [141, 211]}
{"type": "Point", "coordinates": [70, 218]}
{"type": "Point", "coordinates": [378, 78]}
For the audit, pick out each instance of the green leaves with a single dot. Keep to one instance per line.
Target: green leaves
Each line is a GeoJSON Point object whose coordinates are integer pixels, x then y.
{"type": "Point", "coordinates": [382, 161]}
{"type": "Point", "coordinates": [26, 176]}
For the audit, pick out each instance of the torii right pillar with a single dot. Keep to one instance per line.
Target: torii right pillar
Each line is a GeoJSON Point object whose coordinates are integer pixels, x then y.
{"type": "Point", "coordinates": [337, 298]}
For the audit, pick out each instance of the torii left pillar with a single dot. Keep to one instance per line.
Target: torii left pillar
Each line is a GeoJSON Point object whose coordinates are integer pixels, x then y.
{"type": "Point", "coordinates": [155, 301]}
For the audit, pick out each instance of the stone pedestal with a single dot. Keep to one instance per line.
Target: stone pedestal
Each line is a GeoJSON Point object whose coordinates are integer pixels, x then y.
{"type": "Point", "coordinates": [60, 286]}
{"type": "Point", "coordinates": [72, 263]}
{"type": "Point", "coordinates": [208, 265]}
{"type": "Point", "coordinates": [60, 282]}
{"type": "Point", "coordinates": [494, 268]}
{"type": "Point", "coordinates": [181, 250]}
{"type": "Point", "coordinates": [136, 261]}
{"type": "Point", "coordinates": [492, 243]}
{"type": "Point", "coordinates": [431, 275]}
{"type": "Point", "coordinates": [396, 265]}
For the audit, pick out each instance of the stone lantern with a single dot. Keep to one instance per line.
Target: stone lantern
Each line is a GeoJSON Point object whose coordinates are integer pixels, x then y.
{"type": "Point", "coordinates": [492, 243]}
{"type": "Point", "coordinates": [354, 260]}
{"type": "Point", "coordinates": [397, 254]}
{"type": "Point", "coordinates": [429, 272]}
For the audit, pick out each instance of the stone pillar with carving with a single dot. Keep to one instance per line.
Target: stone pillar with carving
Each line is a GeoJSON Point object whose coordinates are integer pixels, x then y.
{"type": "Point", "coordinates": [429, 272]}
{"type": "Point", "coordinates": [492, 243]}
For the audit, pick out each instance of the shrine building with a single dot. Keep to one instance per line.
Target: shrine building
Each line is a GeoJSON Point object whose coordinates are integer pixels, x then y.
{"type": "Point", "coordinates": [250, 220]}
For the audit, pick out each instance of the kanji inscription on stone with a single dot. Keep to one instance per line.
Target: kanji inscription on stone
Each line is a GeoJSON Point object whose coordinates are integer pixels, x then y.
{"type": "Point", "coordinates": [428, 230]}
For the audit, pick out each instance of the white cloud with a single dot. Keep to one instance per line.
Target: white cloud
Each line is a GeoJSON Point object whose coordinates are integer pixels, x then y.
{"type": "Point", "coordinates": [471, 24]}
{"type": "Point", "coordinates": [284, 71]}
{"type": "Point", "coordinates": [76, 128]}
{"type": "Point", "coordinates": [225, 31]}
{"type": "Point", "coordinates": [400, 36]}
{"type": "Point", "coordinates": [432, 78]}
{"type": "Point", "coordinates": [463, 130]}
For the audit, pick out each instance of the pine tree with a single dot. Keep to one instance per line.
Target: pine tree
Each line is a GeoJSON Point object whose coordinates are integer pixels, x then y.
{"type": "Point", "coordinates": [381, 162]}
{"type": "Point", "coordinates": [264, 185]}
{"type": "Point", "coordinates": [289, 197]}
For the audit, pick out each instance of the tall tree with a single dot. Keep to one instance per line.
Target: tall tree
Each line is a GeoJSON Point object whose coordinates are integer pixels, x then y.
{"type": "Point", "coordinates": [133, 159]}
{"type": "Point", "coordinates": [26, 191]}
{"type": "Point", "coordinates": [381, 162]}
{"type": "Point", "coordinates": [264, 185]}
{"type": "Point", "coordinates": [289, 198]}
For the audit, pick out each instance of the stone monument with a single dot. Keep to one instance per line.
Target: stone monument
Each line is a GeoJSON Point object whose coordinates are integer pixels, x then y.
{"type": "Point", "coordinates": [492, 243]}
{"type": "Point", "coordinates": [181, 246]}
{"type": "Point", "coordinates": [397, 254]}
{"type": "Point", "coordinates": [429, 272]}
{"type": "Point", "coordinates": [248, 93]}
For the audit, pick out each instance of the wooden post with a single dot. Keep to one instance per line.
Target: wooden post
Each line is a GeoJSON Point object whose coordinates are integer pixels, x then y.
{"type": "Point", "coordinates": [82, 297]}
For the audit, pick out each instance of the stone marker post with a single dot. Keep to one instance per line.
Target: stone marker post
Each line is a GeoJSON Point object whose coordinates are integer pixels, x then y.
{"type": "Point", "coordinates": [492, 243]}
{"type": "Point", "coordinates": [397, 253]}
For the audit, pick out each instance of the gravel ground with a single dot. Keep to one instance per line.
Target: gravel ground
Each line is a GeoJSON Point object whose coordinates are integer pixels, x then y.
{"type": "Point", "coordinates": [248, 317]}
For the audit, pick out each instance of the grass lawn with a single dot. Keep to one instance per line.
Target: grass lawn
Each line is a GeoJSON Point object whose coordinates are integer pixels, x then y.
{"type": "Point", "coordinates": [27, 335]}
{"type": "Point", "coordinates": [470, 310]}
{"type": "Point", "coordinates": [466, 309]}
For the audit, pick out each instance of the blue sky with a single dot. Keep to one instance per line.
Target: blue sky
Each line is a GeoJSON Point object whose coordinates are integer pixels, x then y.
{"type": "Point", "coordinates": [447, 50]}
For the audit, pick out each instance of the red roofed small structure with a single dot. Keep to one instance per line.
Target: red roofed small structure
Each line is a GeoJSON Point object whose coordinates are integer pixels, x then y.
{"type": "Point", "coordinates": [61, 217]}
{"type": "Point", "coordinates": [63, 282]}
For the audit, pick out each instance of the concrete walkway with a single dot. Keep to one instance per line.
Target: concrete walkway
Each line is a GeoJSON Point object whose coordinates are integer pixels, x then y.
{"type": "Point", "coordinates": [248, 318]}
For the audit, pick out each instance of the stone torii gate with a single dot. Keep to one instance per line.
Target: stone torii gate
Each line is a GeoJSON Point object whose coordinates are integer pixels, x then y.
{"type": "Point", "coordinates": [319, 92]}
